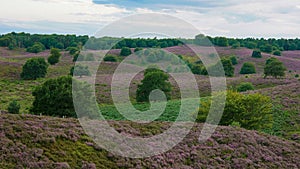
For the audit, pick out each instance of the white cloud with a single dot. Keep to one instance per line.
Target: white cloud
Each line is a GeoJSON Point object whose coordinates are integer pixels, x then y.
{"type": "Point", "coordinates": [232, 18]}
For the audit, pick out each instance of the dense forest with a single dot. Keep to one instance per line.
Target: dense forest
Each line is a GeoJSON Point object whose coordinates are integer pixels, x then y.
{"type": "Point", "coordinates": [26, 40]}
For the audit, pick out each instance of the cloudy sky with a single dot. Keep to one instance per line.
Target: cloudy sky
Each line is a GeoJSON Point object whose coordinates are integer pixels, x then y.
{"type": "Point", "coordinates": [231, 18]}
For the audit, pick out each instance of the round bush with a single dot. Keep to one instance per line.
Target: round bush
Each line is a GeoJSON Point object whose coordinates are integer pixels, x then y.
{"type": "Point", "coordinates": [245, 86]}
{"type": "Point", "coordinates": [248, 68]}
{"type": "Point", "coordinates": [277, 53]}
{"type": "Point", "coordinates": [34, 68]}
{"type": "Point", "coordinates": [125, 51]}
{"type": "Point", "coordinates": [13, 107]}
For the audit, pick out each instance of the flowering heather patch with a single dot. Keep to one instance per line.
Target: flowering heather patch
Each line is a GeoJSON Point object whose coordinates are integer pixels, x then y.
{"type": "Point", "coordinates": [295, 54]}
{"type": "Point", "coordinates": [44, 142]}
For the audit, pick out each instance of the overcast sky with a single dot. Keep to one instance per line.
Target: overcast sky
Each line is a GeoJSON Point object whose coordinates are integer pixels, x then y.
{"type": "Point", "coordinates": [231, 18]}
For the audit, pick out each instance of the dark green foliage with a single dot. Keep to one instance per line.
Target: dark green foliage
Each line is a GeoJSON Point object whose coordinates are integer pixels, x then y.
{"type": "Point", "coordinates": [72, 50]}
{"type": "Point", "coordinates": [80, 70]}
{"type": "Point", "coordinates": [153, 79]}
{"type": "Point", "coordinates": [34, 68]}
{"type": "Point", "coordinates": [277, 53]}
{"type": "Point", "coordinates": [256, 54]}
{"type": "Point", "coordinates": [54, 97]}
{"type": "Point", "coordinates": [233, 60]}
{"type": "Point", "coordinates": [54, 57]}
{"type": "Point", "coordinates": [26, 40]}
{"type": "Point", "coordinates": [254, 111]}
{"type": "Point", "coordinates": [36, 48]}
{"type": "Point", "coordinates": [13, 107]}
{"type": "Point", "coordinates": [248, 68]}
{"type": "Point", "coordinates": [110, 58]}
{"type": "Point", "coordinates": [216, 70]}
{"type": "Point", "coordinates": [221, 41]}
{"type": "Point", "coordinates": [236, 45]}
{"type": "Point", "coordinates": [245, 86]}
{"type": "Point", "coordinates": [274, 68]}
{"type": "Point", "coordinates": [228, 68]}
{"type": "Point", "coordinates": [125, 51]}
{"type": "Point", "coordinates": [266, 48]}
{"type": "Point", "coordinates": [138, 49]}
{"type": "Point", "coordinates": [297, 75]}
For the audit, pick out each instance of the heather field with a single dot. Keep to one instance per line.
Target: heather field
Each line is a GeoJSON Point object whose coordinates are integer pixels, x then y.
{"type": "Point", "coordinates": [32, 141]}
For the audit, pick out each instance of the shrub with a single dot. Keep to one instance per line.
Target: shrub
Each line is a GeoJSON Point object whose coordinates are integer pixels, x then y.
{"type": "Point", "coordinates": [215, 70]}
{"type": "Point", "coordinates": [245, 86]}
{"type": "Point", "coordinates": [254, 111]}
{"type": "Point", "coordinates": [36, 48]}
{"type": "Point", "coordinates": [274, 68]}
{"type": "Point", "coordinates": [125, 51]}
{"type": "Point", "coordinates": [80, 70]}
{"type": "Point", "coordinates": [233, 60]}
{"type": "Point", "coordinates": [266, 48]}
{"type": "Point", "coordinates": [54, 97]}
{"type": "Point", "coordinates": [34, 68]}
{"type": "Point", "coordinates": [54, 57]}
{"type": "Point", "coordinates": [153, 79]}
{"type": "Point", "coordinates": [138, 49]}
{"type": "Point", "coordinates": [14, 107]}
{"type": "Point", "coordinates": [297, 75]}
{"type": "Point", "coordinates": [277, 53]}
{"type": "Point", "coordinates": [72, 50]}
{"type": "Point", "coordinates": [248, 68]}
{"type": "Point", "coordinates": [256, 54]}
{"type": "Point", "coordinates": [110, 58]}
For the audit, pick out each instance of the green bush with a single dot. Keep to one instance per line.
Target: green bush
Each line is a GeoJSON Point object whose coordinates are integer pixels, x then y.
{"type": "Point", "coordinates": [252, 111]}
{"type": "Point", "coordinates": [233, 60]}
{"type": "Point", "coordinates": [236, 45]}
{"type": "Point", "coordinates": [245, 86]}
{"type": "Point", "coordinates": [72, 50]}
{"type": "Point", "coordinates": [277, 53]}
{"type": "Point", "coordinates": [138, 49]}
{"type": "Point", "coordinates": [34, 68]}
{"type": "Point", "coordinates": [256, 54]}
{"type": "Point", "coordinates": [248, 68]}
{"type": "Point", "coordinates": [297, 75]}
{"type": "Point", "coordinates": [54, 97]}
{"type": "Point", "coordinates": [153, 79]}
{"type": "Point", "coordinates": [54, 57]}
{"type": "Point", "coordinates": [14, 107]}
{"type": "Point", "coordinates": [110, 58]}
{"type": "Point", "coordinates": [125, 51]}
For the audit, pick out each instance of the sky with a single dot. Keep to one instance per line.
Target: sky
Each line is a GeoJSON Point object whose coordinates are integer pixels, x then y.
{"type": "Point", "coordinates": [230, 18]}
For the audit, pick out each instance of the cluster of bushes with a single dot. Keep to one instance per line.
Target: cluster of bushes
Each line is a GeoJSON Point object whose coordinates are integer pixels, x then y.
{"type": "Point", "coordinates": [54, 56]}
{"type": "Point", "coordinates": [36, 48]}
{"type": "Point", "coordinates": [254, 111]}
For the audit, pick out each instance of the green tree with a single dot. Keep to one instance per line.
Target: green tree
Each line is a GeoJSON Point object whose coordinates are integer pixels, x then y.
{"type": "Point", "coordinates": [125, 51]}
{"type": "Point", "coordinates": [274, 68]}
{"type": "Point", "coordinates": [80, 70]}
{"type": "Point", "coordinates": [54, 56]}
{"type": "Point", "coordinates": [228, 67]}
{"type": "Point", "coordinates": [34, 68]}
{"type": "Point", "coordinates": [248, 68]}
{"type": "Point", "coordinates": [245, 86]}
{"type": "Point", "coordinates": [14, 107]}
{"type": "Point", "coordinates": [256, 54]}
{"type": "Point", "coordinates": [54, 97]}
{"type": "Point", "coordinates": [153, 79]}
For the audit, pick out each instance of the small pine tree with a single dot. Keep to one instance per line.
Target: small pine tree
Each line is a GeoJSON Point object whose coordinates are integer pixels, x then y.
{"type": "Point", "coordinates": [14, 107]}
{"type": "Point", "coordinates": [256, 54]}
